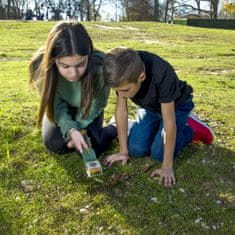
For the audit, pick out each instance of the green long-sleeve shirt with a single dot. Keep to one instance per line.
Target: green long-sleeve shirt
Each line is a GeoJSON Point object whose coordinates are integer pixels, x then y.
{"type": "Point", "coordinates": [68, 95]}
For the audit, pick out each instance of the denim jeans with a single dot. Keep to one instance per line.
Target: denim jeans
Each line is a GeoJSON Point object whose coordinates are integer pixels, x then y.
{"type": "Point", "coordinates": [146, 136]}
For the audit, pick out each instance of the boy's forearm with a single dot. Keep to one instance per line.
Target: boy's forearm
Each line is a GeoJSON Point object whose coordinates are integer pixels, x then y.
{"type": "Point", "coordinates": [121, 116]}
{"type": "Point", "coordinates": [169, 146]}
{"type": "Point", "coordinates": [169, 123]}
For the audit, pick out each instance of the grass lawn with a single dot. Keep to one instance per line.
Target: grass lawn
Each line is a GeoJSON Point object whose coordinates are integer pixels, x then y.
{"type": "Point", "coordinates": [45, 193]}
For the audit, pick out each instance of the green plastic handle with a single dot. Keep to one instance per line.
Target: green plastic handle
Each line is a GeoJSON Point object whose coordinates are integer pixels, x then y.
{"type": "Point", "coordinates": [88, 155]}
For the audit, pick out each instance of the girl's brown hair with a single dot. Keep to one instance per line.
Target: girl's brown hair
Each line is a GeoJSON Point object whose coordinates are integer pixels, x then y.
{"type": "Point", "coordinates": [65, 39]}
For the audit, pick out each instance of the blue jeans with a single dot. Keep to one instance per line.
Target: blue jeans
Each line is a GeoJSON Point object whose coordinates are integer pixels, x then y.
{"type": "Point", "coordinates": [146, 136]}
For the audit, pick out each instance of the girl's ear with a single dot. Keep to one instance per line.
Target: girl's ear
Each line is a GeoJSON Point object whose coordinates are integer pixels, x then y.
{"type": "Point", "coordinates": [56, 61]}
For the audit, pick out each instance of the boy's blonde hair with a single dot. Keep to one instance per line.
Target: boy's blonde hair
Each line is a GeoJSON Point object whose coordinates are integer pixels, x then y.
{"type": "Point", "coordinates": [122, 64]}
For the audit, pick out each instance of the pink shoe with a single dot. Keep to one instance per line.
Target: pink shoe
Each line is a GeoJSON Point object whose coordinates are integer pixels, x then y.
{"type": "Point", "coordinates": [201, 132]}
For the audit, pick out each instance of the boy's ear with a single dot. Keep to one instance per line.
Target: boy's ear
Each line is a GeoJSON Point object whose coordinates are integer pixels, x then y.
{"type": "Point", "coordinates": [141, 77]}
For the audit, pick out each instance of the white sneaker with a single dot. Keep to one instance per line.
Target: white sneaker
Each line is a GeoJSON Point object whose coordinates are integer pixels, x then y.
{"type": "Point", "coordinates": [140, 113]}
{"type": "Point", "coordinates": [112, 121]}
{"type": "Point", "coordinates": [130, 124]}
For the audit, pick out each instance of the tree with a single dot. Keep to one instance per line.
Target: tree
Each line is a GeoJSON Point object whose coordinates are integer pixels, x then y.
{"type": "Point", "coordinates": [230, 8]}
{"type": "Point", "coordinates": [123, 5]}
{"type": "Point", "coordinates": [8, 8]}
{"type": "Point", "coordinates": [90, 9]}
{"type": "Point", "coordinates": [96, 5]}
{"type": "Point", "coordinates": [138, 10]}
{"type": "Point", "coordinates": [156, 10]}
{"type": "Point", "coordinates": [214, 8]}
{"type": "Point", "coordinates": [193, 8]}
{"type": "Point", "coordinates": [12, 9]}
{"type": "Point", "coordinates": [170, 9]}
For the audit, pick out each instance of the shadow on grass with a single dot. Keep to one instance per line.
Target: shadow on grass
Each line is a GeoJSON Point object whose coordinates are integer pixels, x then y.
{"type": "Point", "coordinates": [125, 197]}
{"type": "Point", "coordinates": [5, 226]}
{"type": "Point", "coordinates": [203, 174]}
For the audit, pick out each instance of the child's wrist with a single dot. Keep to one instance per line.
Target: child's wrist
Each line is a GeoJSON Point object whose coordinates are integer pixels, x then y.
{"type": "Point", "coordinates": [70, 132]}
{"type": "Point", "coordinates": [167, 164]}
{"type": "Point", "coordinates": [124, 153]}
{"type": "Point", "coordinates": [123, 150]}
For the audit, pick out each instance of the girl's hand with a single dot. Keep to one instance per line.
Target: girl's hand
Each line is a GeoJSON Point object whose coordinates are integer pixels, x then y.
{"type": "Point", "coordinates": [70, 144]}
{"type": "Point", "coordinates": [122, 157]}
{"type": "Point", "coordinates": [77, 140]}
{"type": "Point", "coordinates": [167, 176]}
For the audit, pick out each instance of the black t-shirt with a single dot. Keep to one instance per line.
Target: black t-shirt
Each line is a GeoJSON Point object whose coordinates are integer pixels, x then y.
{"type": "Point", "coordinates": [161, 84]}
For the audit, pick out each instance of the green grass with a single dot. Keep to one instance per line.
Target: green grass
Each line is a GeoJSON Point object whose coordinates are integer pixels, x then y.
{"type": "Point", "coordinates": [203, 200]}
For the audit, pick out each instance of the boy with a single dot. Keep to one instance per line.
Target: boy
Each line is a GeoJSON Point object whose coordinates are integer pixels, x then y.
{"type": "Point", "coordinates": [162, 129]}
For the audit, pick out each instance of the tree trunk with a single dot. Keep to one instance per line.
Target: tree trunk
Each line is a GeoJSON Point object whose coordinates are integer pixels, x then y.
{"type": "Point", "coordinates": [8, 8]}
{"type": "Point", "coordinates": [81, 9]}
{"type": "Point", "coordinates": [166, 10]}
{"type": "Point", "coordinates": [88, 13]}
{"type": "Point", "coordinates": [172, 11]}
{"type": "Point", "coordinates": [199, 6]}
{"type": "Point", "coordinates": [215, 4]}
{"type": "Point", "coordinates": [156, 10]}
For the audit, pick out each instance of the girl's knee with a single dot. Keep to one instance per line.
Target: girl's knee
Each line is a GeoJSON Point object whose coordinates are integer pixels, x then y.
{"type": "Point", "coordinates": [55, 146]}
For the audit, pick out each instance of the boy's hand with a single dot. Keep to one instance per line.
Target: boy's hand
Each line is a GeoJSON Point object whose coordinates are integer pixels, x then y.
{"type": "Point", "coordinates": [167, 176]}
{"type": "Point", "coordinates": [122, 157]}
{"type": "Point", "coordinates": [77, 141]}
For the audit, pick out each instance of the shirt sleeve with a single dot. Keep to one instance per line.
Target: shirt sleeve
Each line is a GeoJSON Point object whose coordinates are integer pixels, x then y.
{"type": "Point", "coordinates": [62, 116]}
{"type": "Point", "coordinates": [168, 88]}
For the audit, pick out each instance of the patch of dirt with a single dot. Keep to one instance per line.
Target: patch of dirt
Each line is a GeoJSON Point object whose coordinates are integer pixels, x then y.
{"type": "Point", "coordinates": [3, 59]}
{"type": "Point", "coordinates": [118, 178]}
{"type": "Point", "coordinates": [152, 41]}
{"type": "Point", "coordinates": [217, 71]}
{"type": "Point", "coordinates": [106, 27]}
{"type": "Point", "coordinates": [131, 28]}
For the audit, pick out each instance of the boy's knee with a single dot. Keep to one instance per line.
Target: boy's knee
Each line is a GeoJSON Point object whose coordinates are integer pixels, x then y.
{"type": "Point", "coordinates": [157, 153]}
{"type": "Point", "coordinates": [136, 150]}
{"type": "Point", "coordinates": [157, 147]}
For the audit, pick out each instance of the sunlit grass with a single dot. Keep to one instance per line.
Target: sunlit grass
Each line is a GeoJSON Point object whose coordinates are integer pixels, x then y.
{"type": "Point", "coordinates": [62, 200]}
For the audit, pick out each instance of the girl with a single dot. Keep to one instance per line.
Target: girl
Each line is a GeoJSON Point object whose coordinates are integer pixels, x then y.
{"type": "Point", "coordinates": [68, 72]}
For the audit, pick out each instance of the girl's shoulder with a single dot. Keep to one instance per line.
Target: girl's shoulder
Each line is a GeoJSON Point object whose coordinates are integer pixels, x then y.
{"type": "Point", "coordinates": [98, 57]}
{"type": "Point", "coordinates": [97, 64]}
{"type": "Point", "coordinates": [98, 53]}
